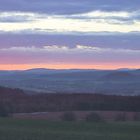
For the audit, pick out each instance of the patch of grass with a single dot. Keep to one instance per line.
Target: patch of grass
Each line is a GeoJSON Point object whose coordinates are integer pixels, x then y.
{"type": "Point", "coordinates": [12, 129]}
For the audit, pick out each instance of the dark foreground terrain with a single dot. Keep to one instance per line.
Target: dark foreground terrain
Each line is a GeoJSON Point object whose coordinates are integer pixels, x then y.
{"type": "Point", "coordinates": [11, 129]}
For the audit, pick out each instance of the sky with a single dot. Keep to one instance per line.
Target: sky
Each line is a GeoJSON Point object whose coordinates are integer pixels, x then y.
{"type": "Point", "coordinates": [66, 34]}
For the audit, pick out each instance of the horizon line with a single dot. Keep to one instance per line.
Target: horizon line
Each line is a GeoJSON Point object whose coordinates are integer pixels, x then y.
{"type": "Point", "coordinates": [67, 66]}
{"type": "Point", "coordinates": [122, 68]}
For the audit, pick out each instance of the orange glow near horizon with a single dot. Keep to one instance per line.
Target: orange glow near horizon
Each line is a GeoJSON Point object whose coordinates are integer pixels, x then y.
{"type": "Point", "coordinates": [65, 66]}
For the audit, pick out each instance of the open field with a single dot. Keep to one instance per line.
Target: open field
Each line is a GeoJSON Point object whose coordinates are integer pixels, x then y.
{"type": "Point", "coordinates": [13, 129]}
{"type": "Point", "coordinates": [107, 116]}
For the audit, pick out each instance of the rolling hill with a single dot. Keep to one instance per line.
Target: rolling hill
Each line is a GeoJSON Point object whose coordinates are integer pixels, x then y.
{"type": "Point", "coordinates": [115, 82]}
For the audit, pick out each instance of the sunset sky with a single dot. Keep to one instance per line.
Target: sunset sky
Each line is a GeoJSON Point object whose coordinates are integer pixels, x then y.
{"type": "Point", "coordinates": [63, 34]}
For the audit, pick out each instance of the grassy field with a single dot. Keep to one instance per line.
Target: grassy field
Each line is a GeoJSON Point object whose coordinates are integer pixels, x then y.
{"type": "Point", "coordinates": [11, 129]}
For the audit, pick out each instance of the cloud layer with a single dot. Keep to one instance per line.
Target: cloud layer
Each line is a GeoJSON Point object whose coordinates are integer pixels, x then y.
{"type": "Point", "coordinates": [63, 54]}
{"type": "Point", "coordinates": [91, 22]}
{"type": "Point", "coordinates": [47, 16]}
{"type": "Point", "coordinates": [70, 32]}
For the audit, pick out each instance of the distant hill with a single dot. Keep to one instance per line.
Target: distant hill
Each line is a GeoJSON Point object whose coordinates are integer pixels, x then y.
{"type": "Point", "coordinates": [125, 69]}
{"type": "Point", "coordinates": [119, 76]}
{"type": "Point", "coordinates": [114, 82]}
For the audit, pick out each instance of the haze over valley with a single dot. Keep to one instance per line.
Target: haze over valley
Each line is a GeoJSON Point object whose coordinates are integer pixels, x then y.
{"type": "Point", "coordinates": [116, 82]}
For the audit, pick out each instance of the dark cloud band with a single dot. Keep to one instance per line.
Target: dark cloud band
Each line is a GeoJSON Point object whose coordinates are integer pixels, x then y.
{"type": "Point", "coordinates": [68, 6]}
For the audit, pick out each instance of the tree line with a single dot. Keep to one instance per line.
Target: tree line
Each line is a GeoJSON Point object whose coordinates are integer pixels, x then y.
{"type": "Point", "coordinates": [16, 101]}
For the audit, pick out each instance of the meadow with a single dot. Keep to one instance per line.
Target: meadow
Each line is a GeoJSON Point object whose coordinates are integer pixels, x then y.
{"type": "Point", "coordinates": [14, 129]}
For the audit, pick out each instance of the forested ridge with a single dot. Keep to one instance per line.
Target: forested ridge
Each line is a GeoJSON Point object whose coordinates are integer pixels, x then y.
{"type": "Point", "coordinates": [15, 101]}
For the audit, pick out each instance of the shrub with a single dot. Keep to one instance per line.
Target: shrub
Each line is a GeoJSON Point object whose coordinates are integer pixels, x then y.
{"type": "Point", "coordinates": [136, 116]}
{"type": "Point", "coordinates": [121, 117]}
{"type": "Point", "coordinates": [69, 116]}
{"type": "Point", "coordinates": [93, 117]}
